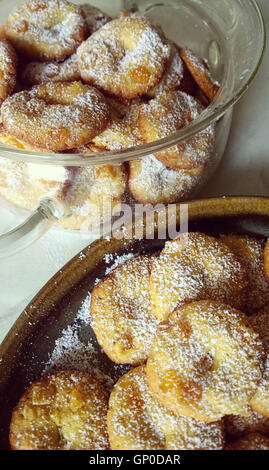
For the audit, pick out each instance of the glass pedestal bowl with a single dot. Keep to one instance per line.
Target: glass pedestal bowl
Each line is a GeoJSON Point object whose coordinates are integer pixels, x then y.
{"type": "Point", "coordinates": [230, 35]}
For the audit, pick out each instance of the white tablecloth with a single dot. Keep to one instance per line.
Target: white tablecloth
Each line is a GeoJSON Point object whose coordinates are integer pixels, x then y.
{"type": "Point", "coordinates": [244, 171]}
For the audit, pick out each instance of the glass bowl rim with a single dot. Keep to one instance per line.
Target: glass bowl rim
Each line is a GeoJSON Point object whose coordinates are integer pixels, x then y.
{"type": "Point", "coordinates": [210, 115]}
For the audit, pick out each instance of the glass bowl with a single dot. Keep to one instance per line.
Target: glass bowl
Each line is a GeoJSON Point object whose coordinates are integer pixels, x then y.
{"type": "Point", "coordinates": [229, 34]}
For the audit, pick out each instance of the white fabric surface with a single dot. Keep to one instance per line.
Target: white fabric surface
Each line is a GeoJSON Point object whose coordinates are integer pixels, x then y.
{"type": "Point", "coordinates": [244, 171]}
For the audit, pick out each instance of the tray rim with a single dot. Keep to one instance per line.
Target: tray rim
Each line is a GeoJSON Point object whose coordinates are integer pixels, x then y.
{"type": "Point", "coordinates": [74, 271]}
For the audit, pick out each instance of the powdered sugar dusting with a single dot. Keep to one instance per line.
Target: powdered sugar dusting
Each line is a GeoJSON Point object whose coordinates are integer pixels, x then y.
{"type": "Point", "coordinates": [200, 71]}
{"type": "Point", "coordinates": [118, 261]}
{"type": "Point", "coordinates": [152, 182]}
{"type": "Point", "coordinates": [173, 74]}
{"type": "Point", "coordinates": [260, 323]}
{"type": "Point", "coordinates": [123, 320]}
{"type": "Point", "coordinates": [125, 57]}
{"type": "Point", "coordinates": [251, 253]}
{"type": "Point", "coordinates": [204, 269]}
{"type": "Point", "coordinates": [55, 22]}
{"type": "Point", "coordinates": [122, 133]}
{"type": "Point", "coordinates": [201, 64]}
{"type": "Point", "coordinates": [147, 425]}
{"type": "Point", "coordinates": [5, 57]}
{"type": "Point", "coordinates": [63, 410]}
{"type": "Point", "coordinates": [8, 66]}
{"type": "Point", "coordinates": [42, 72]}
{"type": "Point", "coordinates": [56, 115]}
{"type": "Point", "coordinates": [72, 352]}
{"type": "Point", "coordinates": [166, 114]}
{"type": "Point", "coordinates": [200, 360]}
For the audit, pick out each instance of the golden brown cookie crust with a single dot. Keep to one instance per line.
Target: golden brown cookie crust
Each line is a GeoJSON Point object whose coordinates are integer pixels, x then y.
{"type": "Point", "coordinates": [260, 323]}
{"type": "Point", "coordinates": [46, 30]}
{"type": "Point", "coordinates": [172, 76]}
{"type": "Point", "coordinates": [57, 116]}
{"type": "Point", "coordinates": [151, 182]}
{"type": "Point", "coordinates": [42, 72]}
{"type": "Point", "coordinates": [8, 69]}
{"type": "Point", "coordinates": [125, 58]}
{"type": "Point", "coordinates": [122, 318]}
{"type": "Point", "coordinates": [62, 410]}
{"type": "Point", "coordinates": [196, 268]}
{"type": "Point", "coordinates": [200, 358]}
{"type": "Point", "coordinates": [136, 420]}
{"type": "Point", "coordinates": [250, 251]}
{"type": "Point", "coordinates": [200, 72]}
{"type": "Point", "coordinates": [169, 112]}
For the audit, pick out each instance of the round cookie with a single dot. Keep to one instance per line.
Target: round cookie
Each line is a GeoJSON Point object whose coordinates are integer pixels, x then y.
{"type": "Point", "coordinates": [198, 267]}
{"type": "Point", "coordinates": [121, 313]}
{"type": "Point", "coordinates": [254, 441]}
{"type": "Point", "coordinates": [136, 421]}
{"type": "Point", "coordinates": [250, 251]}
{"type": "Point", "coordinates": [200, 72]}
{"type": "Point", "coordinates": [200, 358]}
{"type": "Point", "coordinates": [169, 112]}
{"type": "Point", "coordinates": [151, 182]}
{"type": "Point", "coordinates": [46, 30]}
{"type": "Point", "coordinates": [43, 72]}
{"type": "Point", "coordinates": [125, 58]}
{"type": "Point", "coordinates": [260, 323]}
{"type": "Point", "coordinates": [8, 69]}
{"type": "Point", "coordinates": [56, 116]}
{"type": "Point", "coordinates": [62, 410]}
